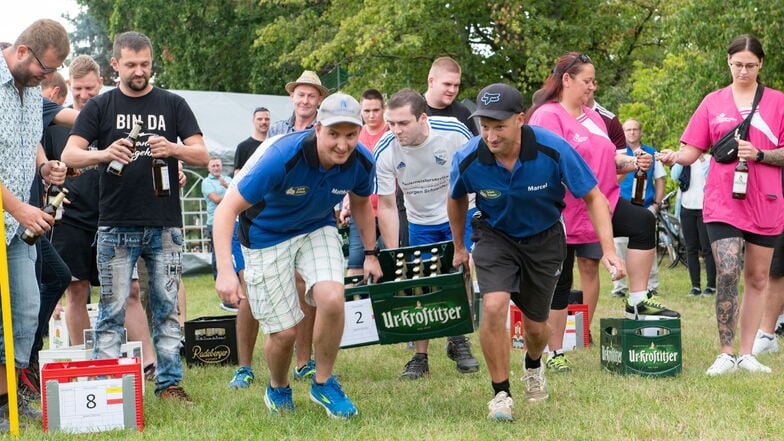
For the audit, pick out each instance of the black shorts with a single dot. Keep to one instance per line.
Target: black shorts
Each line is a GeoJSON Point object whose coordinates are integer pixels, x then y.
{"type": "Point", "coordinates": [527, 268]}
{"type": "Point", "coordinates": [636, 223]}
{"type": "Point", "coordinates": [777, 264]}
{"type": "Point", "coordinates": [77, 248]}
{"type": "Point", "coordinates": [720, 230]}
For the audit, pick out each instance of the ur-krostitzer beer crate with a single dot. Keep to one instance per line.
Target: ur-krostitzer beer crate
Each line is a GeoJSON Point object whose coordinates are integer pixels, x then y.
{"type": "Point", "coordinates": [211, 341]}
{"type": "Point", "coordinates": [416, 298]}
{"type": "Point", "coordinates": [643, 347]}
{"type": "Point", "coordinates": [92, 395]}
{"type": "Point", "coordinates": [359, 328]}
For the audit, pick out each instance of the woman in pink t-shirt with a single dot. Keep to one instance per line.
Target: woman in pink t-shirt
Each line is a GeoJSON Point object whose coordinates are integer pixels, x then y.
{"type": "Point", "coordinates": [759, 218]}
{"type": "Point", "coordinates": [560, 106]}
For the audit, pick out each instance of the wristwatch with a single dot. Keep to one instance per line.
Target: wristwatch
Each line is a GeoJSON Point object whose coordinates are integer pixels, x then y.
{"type": "Point", "coordinates": [374, 252]}
{"type": "Point", "coordinates": [760, 156]}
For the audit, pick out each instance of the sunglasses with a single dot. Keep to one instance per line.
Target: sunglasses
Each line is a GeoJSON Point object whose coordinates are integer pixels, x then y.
{"type": "Point", "coordinates": [44, 68]}
{"type": "Point", "coordinates": [581, 57]}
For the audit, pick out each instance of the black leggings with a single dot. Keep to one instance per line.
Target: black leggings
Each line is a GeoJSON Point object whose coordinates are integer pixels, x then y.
{"type": "Point", "coordinates": [695, 236]}
{"type": "Point", "coordinates": [628, 220]}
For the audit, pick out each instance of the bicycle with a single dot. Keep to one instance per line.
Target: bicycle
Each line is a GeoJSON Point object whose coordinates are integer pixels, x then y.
{"type": "Point", "coordinates": [668, 232]}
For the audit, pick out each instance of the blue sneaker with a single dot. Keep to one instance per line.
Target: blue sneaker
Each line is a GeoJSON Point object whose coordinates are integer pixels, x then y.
{"type": "Point", "coordinates": [278, 399]}
{"type": "Point", "coordinates": [243, 378]}
{"type": "Point", "coordinates": [306, 372]}
{"type": "Point", "coordinates": [331, 397]}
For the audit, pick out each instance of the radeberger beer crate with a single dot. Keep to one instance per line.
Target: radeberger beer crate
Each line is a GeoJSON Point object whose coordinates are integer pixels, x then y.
{"type": "Point", "coordinates": [211, 341]}
{"type": "Point", "coordinates": [643, 347]}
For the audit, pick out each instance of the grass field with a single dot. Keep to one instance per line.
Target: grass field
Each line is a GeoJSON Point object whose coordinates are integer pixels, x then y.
{"type": "Point", "coordinates": [586, 404]}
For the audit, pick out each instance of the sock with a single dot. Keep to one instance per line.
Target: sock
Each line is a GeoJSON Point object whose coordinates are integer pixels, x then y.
{"type": "Point", "coordinates": [532, 364]}
{"type": "Point", "coordinates": [766, 335]}
{"type": "Point", "coordinates": [421, 355]}
{"type": "Point", "coordinates": [501, 387]}
{"type": "Point", "coordinates": [3, 399]}
{"type": "Point", "coordinates": [637, 297]}
{"type": "Point", "coordinates": [556, 353]}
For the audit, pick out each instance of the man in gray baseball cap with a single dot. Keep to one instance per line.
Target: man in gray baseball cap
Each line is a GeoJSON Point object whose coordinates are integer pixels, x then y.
{"type": "Point", "coordinates": [287, 198]}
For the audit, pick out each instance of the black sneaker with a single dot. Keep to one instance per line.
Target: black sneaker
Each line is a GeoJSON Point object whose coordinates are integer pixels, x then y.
{"type": "Point", "coordinates": [695, 292]}
{"type": "Point", "coordinates": [709, 291]}
{"type": "Point", "coordinates": [459, 350]}
{"type": "Point", "coordinates": [416, 368]}
{"type": "Point", "coordinates": [653, 292]}
{"type": "Point", "coordinates": [780, 330]}
{"type": "Point", "coordinates": [649, 308]}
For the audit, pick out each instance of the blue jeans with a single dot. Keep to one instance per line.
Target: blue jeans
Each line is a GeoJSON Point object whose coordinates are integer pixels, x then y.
{"type": "Point", "coordinates": [25, 300]}
{"type": "Point", "coordinates": [118, 250]}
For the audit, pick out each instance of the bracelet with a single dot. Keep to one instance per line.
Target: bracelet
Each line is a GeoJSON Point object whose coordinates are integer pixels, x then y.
{"type": "Point", "coordinates": [40, 167]}
{"type": "Point", "coordinates": [374, 252]}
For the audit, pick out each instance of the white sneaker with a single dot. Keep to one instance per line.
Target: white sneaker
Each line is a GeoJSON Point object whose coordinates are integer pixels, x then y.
{"type": "Point", "coordinates": [764, 344]}
{"type": "Point", "coordinates": [750, 363]}
{"type": "Point", "coordinates": [724, 364]}
{"type": "Point", "coordinates": [500, 407]}
{"type": "Point", "coordinates": [535, 385]}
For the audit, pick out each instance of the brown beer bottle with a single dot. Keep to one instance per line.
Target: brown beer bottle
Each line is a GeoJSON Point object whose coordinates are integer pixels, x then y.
{"type": "Point", "coordinates": [116, 167]}
{"type": "Point", "coordinates": [740, 180]}
{"type": "Point", "coordinates": [160, 177]}
{"type": "Point", "coordinates": [50, 208]}
{"type": "Point", "coordinates": [639, 186]}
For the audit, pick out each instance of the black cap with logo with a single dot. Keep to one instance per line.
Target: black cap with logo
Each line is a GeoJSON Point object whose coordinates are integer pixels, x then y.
{"type": "Point", "coordinates": [498, 101]}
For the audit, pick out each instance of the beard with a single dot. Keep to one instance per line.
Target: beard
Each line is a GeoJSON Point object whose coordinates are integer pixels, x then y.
{"type": "Point", "coordinates": [22, 75]}
{"type": "Point", "coordinates": [131, 85]}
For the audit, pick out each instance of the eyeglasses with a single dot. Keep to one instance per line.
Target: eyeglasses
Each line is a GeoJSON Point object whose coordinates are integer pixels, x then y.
{"type": "Point", "coordinates": [44, 68]}
{"type": "Point", "coordinates": [750, 67]}
{"type": "Point", "coordinates": [581, 57]}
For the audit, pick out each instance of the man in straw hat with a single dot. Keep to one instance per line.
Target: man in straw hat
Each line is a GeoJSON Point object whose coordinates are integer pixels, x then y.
{"type": "Point", "coordinates": [306, 95]}
{"type": "Point", "coordinates": [288, 194]}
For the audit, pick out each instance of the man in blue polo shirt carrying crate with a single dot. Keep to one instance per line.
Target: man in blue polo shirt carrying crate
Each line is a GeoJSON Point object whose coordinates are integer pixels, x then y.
{"type": "Point", "coordinates": [519, 174]}
{"type": "Point", "coordinates": [289, 226]}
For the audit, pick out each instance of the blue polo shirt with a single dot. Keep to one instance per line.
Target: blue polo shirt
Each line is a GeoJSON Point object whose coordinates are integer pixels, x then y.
{"type": "Point", "coordinates": [292, 194]}
{"type": "Point", "coordinates": [530, 198]}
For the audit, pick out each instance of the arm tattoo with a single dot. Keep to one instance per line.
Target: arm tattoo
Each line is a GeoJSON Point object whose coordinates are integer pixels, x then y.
{"type": "Point", "coordinates": [728, 268]}
{"type": "Point", "coordinates": [625, 165]}
{"type": "Point", "coordinates": [774, 157]}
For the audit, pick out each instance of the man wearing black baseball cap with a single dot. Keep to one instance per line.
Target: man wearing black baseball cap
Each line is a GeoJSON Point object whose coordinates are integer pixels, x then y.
{"type": "Point", "coordinates": [520, 174]}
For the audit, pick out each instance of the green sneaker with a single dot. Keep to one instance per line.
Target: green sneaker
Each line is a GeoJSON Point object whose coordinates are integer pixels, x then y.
{"type": "Point", "coordinates": [558, 363]}
{"type": "Point", "coordinates": [649, 308]}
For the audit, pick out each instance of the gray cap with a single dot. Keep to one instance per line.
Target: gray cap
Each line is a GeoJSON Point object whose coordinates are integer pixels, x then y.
{"type": "Point", "coordinates": [498, 101]}
{"type": "Point", "coordinates": [339, 108]}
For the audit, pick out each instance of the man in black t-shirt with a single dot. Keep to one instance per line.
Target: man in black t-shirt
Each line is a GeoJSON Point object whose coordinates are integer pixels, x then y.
{"type": "Point", "coordinates": [261, 124]}
{"type": "Point", "coordinates": [133, 221]}
{"type": "Point", "coordinates": [443, 85]}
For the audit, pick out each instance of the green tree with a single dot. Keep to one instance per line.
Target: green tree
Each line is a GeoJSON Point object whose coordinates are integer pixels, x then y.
{"type": "Point", "coordinates": [89, 38]}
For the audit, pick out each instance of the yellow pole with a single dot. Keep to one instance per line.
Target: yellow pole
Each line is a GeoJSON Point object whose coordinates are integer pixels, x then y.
{"type": "Point", "coordinates": [8, 330]}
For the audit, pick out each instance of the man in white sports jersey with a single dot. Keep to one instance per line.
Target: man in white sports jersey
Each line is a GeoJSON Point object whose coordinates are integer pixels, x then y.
{"type": "Point", "coordinates": [417, 154]}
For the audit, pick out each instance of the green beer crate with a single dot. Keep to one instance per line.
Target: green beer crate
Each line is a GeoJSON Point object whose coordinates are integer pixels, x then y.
{"type": "Point", "coordinates": [390, 260]}
{"type": "Point", "coordinates": [643, 347]}
{"type": "Point", "coordinates": [418, 309]}
{"type": "Point", "coordinates": [359, 327]}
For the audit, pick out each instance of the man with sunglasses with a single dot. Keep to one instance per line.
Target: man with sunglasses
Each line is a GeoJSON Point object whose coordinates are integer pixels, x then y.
{"type": "Point", "coordinates": [23, 66]}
